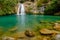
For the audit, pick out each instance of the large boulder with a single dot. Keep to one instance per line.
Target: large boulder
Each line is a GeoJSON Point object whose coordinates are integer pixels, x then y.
{"type": "Point", "coordinates": [45, 31]}
{"type": "Point", "coordinates": [29, 33]}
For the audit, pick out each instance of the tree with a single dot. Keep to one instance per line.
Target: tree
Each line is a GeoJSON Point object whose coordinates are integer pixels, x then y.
{"type": "Point", "coordinates": [40, 2]}
{"type": "Point", "coordinates": [7, 6]}
{"type": "Point", "coordinates": [53, 7]}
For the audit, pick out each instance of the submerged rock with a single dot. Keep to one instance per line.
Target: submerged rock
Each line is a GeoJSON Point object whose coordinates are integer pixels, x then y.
{"type": "Point", "coordinates": [57, 26]}
{"type": "Point", "coordinates": [45, 31]}
{"type": "Point", "coordinates": [46, 38]}
{"type": "Point", "coordinates": [8, 38]}
{"type": "Point", "coordinates": [58, 22]}
{"type": "Point", "coordinates": [41, 38]}
{"type": "Point", "coordinates": [13, 29]}
{"type": "Point", "coordinates": [29, 33]}
{"type": "Point", "coordinates": [1, 31]}
{"type": "Point", "coordinates": [19, 35]}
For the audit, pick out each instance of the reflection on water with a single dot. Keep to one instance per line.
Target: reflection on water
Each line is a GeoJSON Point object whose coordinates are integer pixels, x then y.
{"type": "Point", "coordinates": [21, 22]}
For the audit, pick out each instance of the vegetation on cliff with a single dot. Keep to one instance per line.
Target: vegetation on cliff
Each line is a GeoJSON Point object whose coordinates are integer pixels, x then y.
{"type": "Point", "coordinates": [53, 7]}
{"type": "Point", "coordinates": [40, 2]}
{"type": "Point", "coordinates": [7, 6]}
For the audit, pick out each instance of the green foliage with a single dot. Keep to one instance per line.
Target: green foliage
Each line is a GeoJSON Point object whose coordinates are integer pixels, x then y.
{"type": "Point", "coordinates": [52, 8]}
{"type": "Point", "coordinates": [40, 2]}
{"type": "Point", "coordinates": [22, 1]}
{"type": "Point", "coordinates": [7, 6]}
{"type": "Point", "coordinates": [44, 1]}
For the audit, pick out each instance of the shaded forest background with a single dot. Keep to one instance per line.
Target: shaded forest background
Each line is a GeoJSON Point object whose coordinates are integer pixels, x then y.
{"type": "Point", "coordinates": [52, 6]}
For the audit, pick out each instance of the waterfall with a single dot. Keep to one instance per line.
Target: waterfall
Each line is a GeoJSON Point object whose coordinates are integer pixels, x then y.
{"type": "Point", "coordinates": [21, 17]}
{"type": "Point", "coordinates": [42, 9]}
{"type": "Point", "coordinates": [21, 9]}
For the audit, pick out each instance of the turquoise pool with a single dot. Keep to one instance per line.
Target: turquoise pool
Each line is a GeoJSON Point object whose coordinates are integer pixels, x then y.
{"type": "Point", "coordinates": [25, 21]}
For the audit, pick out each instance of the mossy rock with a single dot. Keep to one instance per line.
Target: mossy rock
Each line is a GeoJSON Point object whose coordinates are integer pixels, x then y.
{"type": "Point", "coordinates": [29, 33]}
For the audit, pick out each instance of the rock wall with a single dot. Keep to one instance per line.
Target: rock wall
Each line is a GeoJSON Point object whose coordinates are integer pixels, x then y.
{"type": "Point", "coordinates": [31, 7]}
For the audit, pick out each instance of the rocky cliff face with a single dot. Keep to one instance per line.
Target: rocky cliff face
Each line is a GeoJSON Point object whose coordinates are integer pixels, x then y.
{"type": "Point", "coordinates": [31, 7]}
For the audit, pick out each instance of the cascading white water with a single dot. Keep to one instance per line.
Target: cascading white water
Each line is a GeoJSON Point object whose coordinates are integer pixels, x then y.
{"type": "Point", "coordinates": [21, 19]}
{"type": "Point", "coordinates": [21, 9]}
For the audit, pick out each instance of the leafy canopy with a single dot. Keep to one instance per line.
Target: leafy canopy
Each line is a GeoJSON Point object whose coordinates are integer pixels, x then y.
{"type": "Point", "coordinates": [7, 6]}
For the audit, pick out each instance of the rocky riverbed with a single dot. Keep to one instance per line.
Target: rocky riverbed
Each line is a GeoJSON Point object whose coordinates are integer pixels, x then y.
{"type": "Point", "coordinates": [52, 33]}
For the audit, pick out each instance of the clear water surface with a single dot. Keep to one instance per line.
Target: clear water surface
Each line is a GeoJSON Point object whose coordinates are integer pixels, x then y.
{"type": "Point", "coordinates": [24, 22]}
